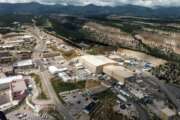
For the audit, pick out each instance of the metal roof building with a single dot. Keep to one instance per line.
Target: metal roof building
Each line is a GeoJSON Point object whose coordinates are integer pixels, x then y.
{"type": "Point", "coordinates": [118, 72]}
{"type": "Point", "coordinates": [95, 63]}
{"type": "Point", "coordinates": [24, 63]}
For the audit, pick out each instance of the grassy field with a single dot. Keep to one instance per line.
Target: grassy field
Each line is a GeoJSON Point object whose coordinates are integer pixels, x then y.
{"type": "Point", "coordinates": [61, 86]}
{"type": "Point", "coordinates": [106, 95]}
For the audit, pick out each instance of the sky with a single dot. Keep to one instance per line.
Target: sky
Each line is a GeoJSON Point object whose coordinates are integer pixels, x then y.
{"type": "Point", "coordinates": [146, 3]}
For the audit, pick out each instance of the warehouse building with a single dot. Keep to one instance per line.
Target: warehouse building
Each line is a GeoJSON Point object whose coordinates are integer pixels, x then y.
{"type": "Point", "coordinates": [118, 73]}
{"type": "Point", "coordinates": [96, 63]}
{"type": "Point", "coordinates": [24, 64]}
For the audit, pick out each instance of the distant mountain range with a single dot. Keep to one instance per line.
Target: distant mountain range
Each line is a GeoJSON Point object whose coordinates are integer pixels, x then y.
{"type": "Point", "coordinates": [89, 10]}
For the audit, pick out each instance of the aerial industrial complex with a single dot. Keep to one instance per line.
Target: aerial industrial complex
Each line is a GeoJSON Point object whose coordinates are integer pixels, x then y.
{"type": "Point", "coordinates": [43, 77]}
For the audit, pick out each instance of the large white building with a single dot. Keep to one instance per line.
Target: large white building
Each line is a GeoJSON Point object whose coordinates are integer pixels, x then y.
{"type": "Point", "coordinates": [24, 64]}
{"type": "Point", "coordinates": [96, 63]}
{"type": "Point", "coordinates": [101, 64]}
{"type": "Point", "coordinates": [118, 73]}
{"type": "Point", "coordinates": [4, 82]}
{"type": "Point", "coordinates": [54, 70]}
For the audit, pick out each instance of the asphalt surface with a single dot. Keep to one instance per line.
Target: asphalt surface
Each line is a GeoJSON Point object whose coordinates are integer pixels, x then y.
{"type": "Point", "coordinates": [168, 93]}
{"type": "Point", "coordinates": [142, 112]}
{"type": "Point", "coordinates": [40, 47]}
{"type": "Point", "coordinates": [59, 106]}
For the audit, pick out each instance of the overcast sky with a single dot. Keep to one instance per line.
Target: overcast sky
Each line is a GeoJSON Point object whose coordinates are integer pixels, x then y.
{"type": "Point", "coordinates": [148, 3]}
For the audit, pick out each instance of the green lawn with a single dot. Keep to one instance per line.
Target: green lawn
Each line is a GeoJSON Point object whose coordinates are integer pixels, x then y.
{"type": "Point", "coordinates": [61, 86]}
{"type": "Point", "coordinates": [106, 95]}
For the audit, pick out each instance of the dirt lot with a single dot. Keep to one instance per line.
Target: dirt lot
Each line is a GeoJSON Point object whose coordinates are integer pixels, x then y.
{"type": "Point", "coordinates": [141, 56]}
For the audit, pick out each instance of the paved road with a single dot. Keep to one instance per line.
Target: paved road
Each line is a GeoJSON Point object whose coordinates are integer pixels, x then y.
{"type": "Point", "coordinates": [40, 47]}
{"type": "Point", "coordinates": [142, 112]}
{"type": "Point", "coordinates": [59, 106]}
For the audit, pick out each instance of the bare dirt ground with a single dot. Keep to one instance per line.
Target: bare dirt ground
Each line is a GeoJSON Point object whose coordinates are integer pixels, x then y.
{"type": "Point", "coordinates": [141, 56]}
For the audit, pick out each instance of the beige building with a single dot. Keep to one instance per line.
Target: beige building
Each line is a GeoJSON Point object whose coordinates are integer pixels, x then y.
{"type": "Point", "coordinates": [167, 114]}
{"type": "Point", "coordinates": [18, 89]}
{"type": "Point", "coordinates": [118, 73]}
{"type": "Point", "coordinates": [96, 63]}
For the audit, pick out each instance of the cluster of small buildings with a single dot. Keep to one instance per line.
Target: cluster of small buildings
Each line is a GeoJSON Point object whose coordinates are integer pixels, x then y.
{"type": "Point", "coordinates": [89, 67]}
{"type": "Point", "coordinates": [15, 42]}
{"type": "Point", "coordinates": [97, 71]}
{"type": "Point", "coordinates": [15, 58]}
{"type": "Point", "coordinates": [16, 47]}
{"type": "Point", "coordinates": [13, 90]}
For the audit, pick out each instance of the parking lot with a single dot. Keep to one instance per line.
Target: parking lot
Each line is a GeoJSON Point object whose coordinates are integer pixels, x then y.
{"type": "Point", "coordinates": [27, 115]}
{"type": "Point", "coordinates": [76, 102]}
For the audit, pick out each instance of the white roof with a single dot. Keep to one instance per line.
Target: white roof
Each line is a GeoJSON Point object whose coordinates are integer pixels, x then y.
{"type": "Point", "coordinates": [54, 70]}
{"type": "Point", "coordinates": [64, 76]}
{"type": "Point", "coordinates": [14, 41]}
{"type": "Point", "coordinates": [7, 46]}
{"type": "Point", "coordinates": [27, 36]}
{"type": "Point", "coordinates": [97, 60]}
{"type": "Point", "coordinates": [119, 70]}
{"type": "Point", "coordinates": [10, 79]}
{"type": "Point", "coordinates": [23, 63]}
{"type": "Point", "coordinates": [114, 56]}
{"type": "Point", "coordinates": [18, 86]}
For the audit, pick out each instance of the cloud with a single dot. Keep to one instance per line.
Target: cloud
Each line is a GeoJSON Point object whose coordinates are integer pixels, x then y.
{"type": "Point", "coordinates": [147, 3]}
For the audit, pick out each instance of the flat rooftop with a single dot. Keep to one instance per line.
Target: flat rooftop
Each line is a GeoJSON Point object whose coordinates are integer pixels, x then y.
{"type": "Point", "coordinates": [10, 79]}
{"type": "Point", "coordinates": [97, 60]}
{"type": "Point", "coordinates": [23, 63]}
{"type": "Point", "coordinates": [124, 72]}
{"type": "Point", "coordinates": [18, 86]}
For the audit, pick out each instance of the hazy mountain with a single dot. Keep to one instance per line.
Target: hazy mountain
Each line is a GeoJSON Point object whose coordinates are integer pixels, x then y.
{"type": "Point", "coordinates": [36, 8]}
